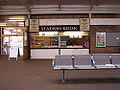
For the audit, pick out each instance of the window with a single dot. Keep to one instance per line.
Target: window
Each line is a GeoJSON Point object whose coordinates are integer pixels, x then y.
{"type": "Point", "coordinates": [74, 39]}
{"type": "Point", "coordinates": [44, 40]}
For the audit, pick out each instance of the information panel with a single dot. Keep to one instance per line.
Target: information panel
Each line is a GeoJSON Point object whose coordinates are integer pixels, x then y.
{"type": "Point", "coordinates": [113, 39]}
{"type": "Point", "coordinates": [34, 25]}
{"type": "Point", "coordinates": [84, 24]}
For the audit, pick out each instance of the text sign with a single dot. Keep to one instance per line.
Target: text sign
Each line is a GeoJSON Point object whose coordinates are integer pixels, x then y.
{"type": "Point", "coordinates": [60, 28]}
{"type": "Point", "coordinates": [34, 25]}
{"type": "Point", "coordinates": [84, 24]}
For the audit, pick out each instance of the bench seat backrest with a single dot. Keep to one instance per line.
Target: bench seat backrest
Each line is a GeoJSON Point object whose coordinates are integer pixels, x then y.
{"type": "Point", "coordinates": [101, 59]}
{"type": "Point", "coordinates": [115, 59]}
{"type": "Point", "coordinates": [63, 60]}
{"type": "Point", "coordinates": [82, 60]}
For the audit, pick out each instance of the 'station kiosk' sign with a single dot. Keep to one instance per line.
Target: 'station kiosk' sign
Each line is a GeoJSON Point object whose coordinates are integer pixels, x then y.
{"type": "Point", "coordinates": [60, 28]}
{"type": "Point", "coordinates": [34, 25]}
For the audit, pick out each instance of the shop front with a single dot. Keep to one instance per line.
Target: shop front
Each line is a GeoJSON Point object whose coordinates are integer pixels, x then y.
{"type": "Point", "coordinates": [58, 36]}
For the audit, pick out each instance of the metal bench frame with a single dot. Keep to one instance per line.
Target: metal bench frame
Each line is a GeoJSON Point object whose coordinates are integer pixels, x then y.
{"type": "Point", "coordinates": [93, 64]}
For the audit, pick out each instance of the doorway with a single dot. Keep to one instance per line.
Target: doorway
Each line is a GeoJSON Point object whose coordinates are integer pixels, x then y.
{"type": "Point", "coordinates": [13, 36]}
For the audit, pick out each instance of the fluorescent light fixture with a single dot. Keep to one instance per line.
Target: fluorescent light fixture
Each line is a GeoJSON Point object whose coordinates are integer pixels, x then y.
{"type": "Point", "coordinates": [3, 24]}
{"type": "Point", "coordinates": [17, 20]}
{"type": "Point", "coordinates": [20, 24]}
{"type": "Point", "coordinates": [48, 33]}
{"type": "Point", "coordinates": [75, 34]}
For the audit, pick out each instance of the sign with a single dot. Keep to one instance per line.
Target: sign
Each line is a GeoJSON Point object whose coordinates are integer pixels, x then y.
{"type": "Point", "coordinates": [11, 23]}
{"type": "Point", "coordinates": [117, 38]}
{"type": "Point", "coordinates": [60, 28]}
{"type": "Point", "coordinates": [84, 24]}
{"type": "Point", "coordinates": [34, 25]}
{"type": "Point", "coordinates": [13, 52]}
{"type": "Point", "coordinates": [100, 39]}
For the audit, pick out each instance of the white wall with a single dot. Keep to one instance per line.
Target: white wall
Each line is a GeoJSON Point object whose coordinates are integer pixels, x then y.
{"type": "Point", "coordinates": [94, 21]}
{"type": "Point", "coordinates": [50, 53]}
{"type": "Point", "coordinates": [105, 21]}
{"type": "Point", "coordinates": [43, 53]}
{"type": "Point", "coordinates": [74, 51]}
{"type": "Point", "coordinates": [59, 22]}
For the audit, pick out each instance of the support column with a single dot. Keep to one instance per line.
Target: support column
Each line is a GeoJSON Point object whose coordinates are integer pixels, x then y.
{"type": "Point", "coordinates": [29, 51]}
{"type": "Point", "coordinates": [59, 42]}
{"type": "Point", "coordinates": [0, 39]}
{"type": "Point", "coordinates": [89, 31]}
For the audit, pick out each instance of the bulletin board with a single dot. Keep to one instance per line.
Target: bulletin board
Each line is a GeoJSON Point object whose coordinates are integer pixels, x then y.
{"type": "Point", "coordinates": [113, 38]}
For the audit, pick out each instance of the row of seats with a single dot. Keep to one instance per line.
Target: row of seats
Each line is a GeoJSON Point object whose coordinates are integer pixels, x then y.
{"type": "Point", "coordinates": [94, 61]}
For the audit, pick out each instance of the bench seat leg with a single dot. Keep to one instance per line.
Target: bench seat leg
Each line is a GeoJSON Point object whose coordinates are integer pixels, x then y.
{"type": "Point", "coordinates": [63, 76]}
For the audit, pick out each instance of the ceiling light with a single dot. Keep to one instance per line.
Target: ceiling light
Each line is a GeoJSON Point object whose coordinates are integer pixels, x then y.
{"type": "Point", "coordinates": [17, 20]}
{"type": "Point", "coordinates": [3, 24]}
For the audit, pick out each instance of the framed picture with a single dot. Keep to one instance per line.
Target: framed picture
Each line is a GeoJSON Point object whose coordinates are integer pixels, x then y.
{"type": "Point", "coordinates": [100, 39]}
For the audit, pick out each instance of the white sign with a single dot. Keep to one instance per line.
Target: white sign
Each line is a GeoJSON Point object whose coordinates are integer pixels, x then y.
{"type": "Point", "coordinates": [13, 52]}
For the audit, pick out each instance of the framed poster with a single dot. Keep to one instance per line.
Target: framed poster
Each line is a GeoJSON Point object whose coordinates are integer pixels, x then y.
{"type": "Point", "coordinates": [84, 24]}
{"type": "Point", "coordinates": [34, 25]}
{"type": "Point", "coordinates": [100, 39]}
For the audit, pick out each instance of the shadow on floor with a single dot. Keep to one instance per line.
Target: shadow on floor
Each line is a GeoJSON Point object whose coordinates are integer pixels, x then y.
{"type": "Point", "coordinates": [89, 80]}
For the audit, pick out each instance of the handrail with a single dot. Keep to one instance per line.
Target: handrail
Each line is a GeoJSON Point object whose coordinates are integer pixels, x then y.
{"type": "Point", "coordinates": [94, 63]}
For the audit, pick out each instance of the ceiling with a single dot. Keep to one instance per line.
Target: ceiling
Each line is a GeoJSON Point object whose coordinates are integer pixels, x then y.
{"type": "Point", "coordinates": [8, 7]}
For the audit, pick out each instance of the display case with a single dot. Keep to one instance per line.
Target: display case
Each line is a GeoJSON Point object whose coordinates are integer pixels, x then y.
{"type": "Point", "coordinates": [67, 40]}
{"type": "Point", "coordinates": [44, 40]}
{"type": "Point", "coordinates": [74, 39]}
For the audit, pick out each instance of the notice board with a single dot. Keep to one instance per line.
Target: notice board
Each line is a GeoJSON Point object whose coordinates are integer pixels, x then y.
{"type": "Point", "coordinates": [34, 25]}
{"type": "Point", "coordinates": [84, 24]}
{"type": "Point", "coordinates": [113, 38]}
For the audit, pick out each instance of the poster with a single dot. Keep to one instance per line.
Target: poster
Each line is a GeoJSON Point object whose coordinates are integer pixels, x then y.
{"type": "Point", "coordinates": [84, 24]}
{"type": "Point", "coordinates": [34, 25]}
{"type": "Point", "coordinates": [100, 39]}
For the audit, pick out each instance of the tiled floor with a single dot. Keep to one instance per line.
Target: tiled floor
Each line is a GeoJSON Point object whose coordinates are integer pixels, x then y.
{"type": "Point", "coordinates": [39, 75]}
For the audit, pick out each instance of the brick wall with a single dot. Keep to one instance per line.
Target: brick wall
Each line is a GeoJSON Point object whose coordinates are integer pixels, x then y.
{"type": "Point", "coordinates": [94, 29]}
